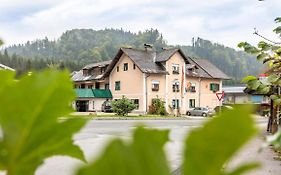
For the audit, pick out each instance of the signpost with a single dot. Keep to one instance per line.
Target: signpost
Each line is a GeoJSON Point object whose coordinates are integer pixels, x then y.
{"type": "Point", "coordinates": [220, 96]}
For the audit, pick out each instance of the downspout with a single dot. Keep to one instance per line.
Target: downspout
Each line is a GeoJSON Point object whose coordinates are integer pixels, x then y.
{"type": "Point", "coordinates": [199, 93]}
{"type": "Point", "coordinates": [146, 92]}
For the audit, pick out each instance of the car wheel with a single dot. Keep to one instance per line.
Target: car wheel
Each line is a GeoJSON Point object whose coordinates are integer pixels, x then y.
{"type": "Point", "coordinates": [188, 113]}
{"type": "Point", "coordinates": [204, 115]}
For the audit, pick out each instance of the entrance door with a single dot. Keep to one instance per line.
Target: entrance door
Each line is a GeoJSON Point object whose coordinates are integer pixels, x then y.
{"type": "Point", "coordinates": [82, 106]}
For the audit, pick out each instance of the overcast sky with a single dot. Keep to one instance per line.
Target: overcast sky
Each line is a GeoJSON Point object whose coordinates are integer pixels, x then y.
{"type": "Point", "coordinates": [223, 21]}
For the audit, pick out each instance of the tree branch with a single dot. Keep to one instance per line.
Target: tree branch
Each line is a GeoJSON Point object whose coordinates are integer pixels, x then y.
{"type": "Point", "coordinates": [256, 33]}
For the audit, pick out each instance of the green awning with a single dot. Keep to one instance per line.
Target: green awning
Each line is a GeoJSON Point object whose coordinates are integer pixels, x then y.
{"type": "Point", "coordinates": [93, 93]}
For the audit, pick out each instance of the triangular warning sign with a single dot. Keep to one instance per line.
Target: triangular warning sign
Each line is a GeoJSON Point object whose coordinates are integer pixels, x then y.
{"type": "Point", "coordinates": [220, 95]}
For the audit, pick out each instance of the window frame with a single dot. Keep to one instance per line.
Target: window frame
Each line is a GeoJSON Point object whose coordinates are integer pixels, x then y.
{"type": "Point", "coordinates": [117, 85]}
{"type": "Point", "coordinates": [137, 104]}
{"type": "Point", "coordinates": [155, 84]}
{"type": "Point", "coordinates": [175, 68]}
{"type": "Point", "coordinates": [176, 86]}
{"type": "Point", "coordinates": [192, 103]}
{"type": "Point", "coordinates": [125, 67]}
{"type": "Point", "coordinates": [176, 103]}
{"type": "Point", "coordinates": [215, 87]}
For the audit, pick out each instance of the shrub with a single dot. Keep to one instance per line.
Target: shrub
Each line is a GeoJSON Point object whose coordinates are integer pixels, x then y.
{"type": "Point", "coordinates": [123, 106]}
{"type": "Point", "coordinates": [157, 107]}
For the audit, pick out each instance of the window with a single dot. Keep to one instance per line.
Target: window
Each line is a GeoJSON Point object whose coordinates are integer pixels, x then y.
{"type": "Point", "coordinates": [117, 68]}
{"type": "Point", "coordinates": [176, 103]}
{"type": "Point", "coordinates": [90, 86]}
{"type": "Point", "coordinates": [176, 86]}
{"type": "Point", "coordinates": [214, 87]}
{"type": "Point", "coordinates": [85, 72]}
{"type": "Point", "coordinates": [191, 103]}
{"type": "Point", "coordinates": [136, 102]}
{"type": "Point", "coordinates": [102, 70]}
{"type": "Point", "coordinates": [117, 85]}
{"type": "Point", "coordinates": [82, 86]}
{"type": "Point", "coordinates": [191, 87]}
{"type": "Point", "coordinates": [97, 85]}
{"type": "Point", "coordinates": [134, 66]}
{"type": "Point", "coordinates": [125, 66]}
{"type": "Point", "coordinates": [176, 69]}
{"type": "Point", "coordinates": [155, 85]}
{"type": "Point", "coordinates": [106, 86]}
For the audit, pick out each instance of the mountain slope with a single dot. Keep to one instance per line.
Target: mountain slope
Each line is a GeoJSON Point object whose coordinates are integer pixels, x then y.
{"type": "Point", "coordinates": [85, 46]}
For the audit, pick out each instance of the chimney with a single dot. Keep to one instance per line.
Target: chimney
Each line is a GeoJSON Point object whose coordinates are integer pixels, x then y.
{"type": "Point", "coordinates": [148, 46]}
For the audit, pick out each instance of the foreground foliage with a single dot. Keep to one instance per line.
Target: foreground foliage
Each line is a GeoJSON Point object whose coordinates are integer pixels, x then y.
{"type": "Point", "coordinates": [270, 54]}
{"type": "Point", "coordinates": [29, 124]}
{"type": "Point", "coordinates": [207, 149]}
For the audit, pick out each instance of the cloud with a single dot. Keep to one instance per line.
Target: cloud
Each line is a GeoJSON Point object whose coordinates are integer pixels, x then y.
{"type": "Point", "coordinates": [223, 21]}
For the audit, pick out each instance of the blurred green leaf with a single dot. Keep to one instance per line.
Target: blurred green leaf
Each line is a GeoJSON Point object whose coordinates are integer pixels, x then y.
{"type": "Point", "coordinates": [264, 46]}
{"type": "Point", "coordinates": [263, 89]}
{"type": "Point", "coordinates": [278, 19]}
{"type": "Point", "coordinates": [242, 44]}
{"type": "Point", "coordinates": [277, 30]}
{"type": "Point", "coordinates": [249, 48]}
{"type": "Point", "coordinates": [277, 101]}
{"type": "Point", "coordinates": [1, 42]}
{"type": "Point", "coordinates": [274, 97]}
{"type": "Point", "coordinates": [29, 120]}
{"type": "Point", "coordinates": [248, 78]}
{"type": "Point", "coordinates": [208, 148]}
{"type": "Point", "coordinates": [262, 56]}
{"type": "Point", "coordinates": [273, 78]}
{"type": "Point", "coordinates": [253, 84]}
{"type": "Point", "coordinates": [144, 156]}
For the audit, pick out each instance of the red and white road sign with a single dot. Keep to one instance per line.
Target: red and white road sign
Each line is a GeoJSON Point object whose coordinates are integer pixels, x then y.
{"type": "Point", "coordinates": [220, 95]}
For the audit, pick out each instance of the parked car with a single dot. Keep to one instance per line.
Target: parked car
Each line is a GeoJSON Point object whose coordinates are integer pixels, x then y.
{"type": "Point", "coordinates": [106, 107]}
{"type": "Point", "coordinates": [201, 111]}
{"type": "Point", "coordinates": [223, 108]}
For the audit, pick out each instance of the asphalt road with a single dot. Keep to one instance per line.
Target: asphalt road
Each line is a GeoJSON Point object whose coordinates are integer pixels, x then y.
{"type": "Point", "coordinates": [97, 133]}
{"type": "Point", "coordinates": [94, 136]}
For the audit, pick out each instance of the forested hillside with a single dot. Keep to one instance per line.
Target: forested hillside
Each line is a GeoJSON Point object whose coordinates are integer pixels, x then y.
{"type": "Point", "coordinates": [236, 64]}
{"type": "Point", "coordinates": [23, 65]}
{"type": "Point", "coordinates": [83, 46]}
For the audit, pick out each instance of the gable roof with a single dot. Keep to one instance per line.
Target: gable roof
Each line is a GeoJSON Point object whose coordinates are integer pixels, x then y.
{"type": "Point", "coordinates": [99, 64]}
{"type": "Point", "coordinates": [148, 61]}
{"type": "Point", "coordinates": [166, 54]}
{"type": "Point", "coordinates": [144, 60]}
{"type": "Point", "coordinates": [208, 70]}
{"type": "Point", "coordinates": [79, 76]}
